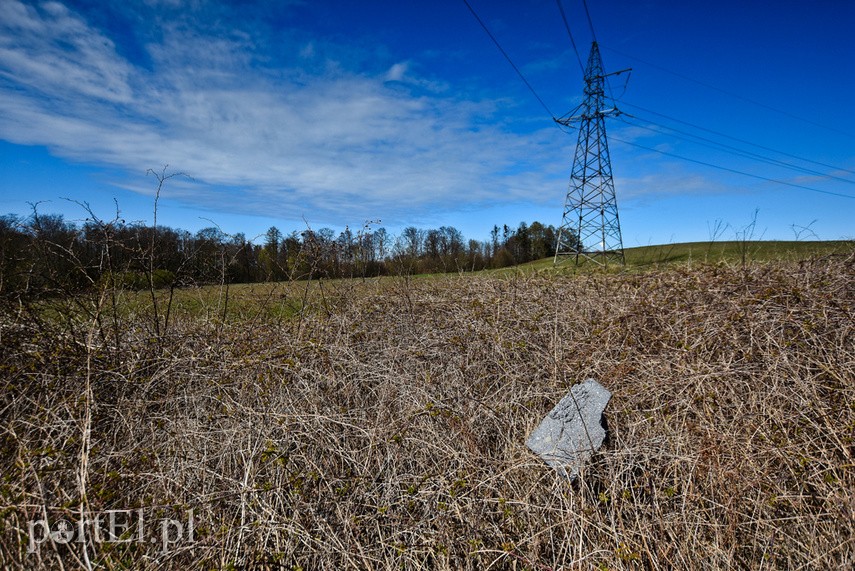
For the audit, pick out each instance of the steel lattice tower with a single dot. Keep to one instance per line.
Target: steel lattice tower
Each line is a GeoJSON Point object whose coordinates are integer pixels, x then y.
{"type": "Point", "coordinates": [590, 227]}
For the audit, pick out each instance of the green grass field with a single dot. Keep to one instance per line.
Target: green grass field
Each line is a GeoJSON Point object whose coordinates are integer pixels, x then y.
{"type": "Point", "coordinates": [645, 257]}
{"type": "Point", "coordinates": [285, 300]}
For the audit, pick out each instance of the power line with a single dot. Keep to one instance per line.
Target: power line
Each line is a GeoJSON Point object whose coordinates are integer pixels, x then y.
{"type": "Point", "coordinates": [569, 33]}
{"type": "Point", "coordinates": [732, 94]}
{"type": "Point", "coordinates": [732, 138]}
{"type": "Point", "coordinates": [590, 23]}
{"type": "Point", "coordinates": [676, 156]}
{"type": "Point", "coordinates": [712, 144]}
{"type": "Point", "coordinates": [507, 57]}
{"type": "Point", "coordinates": [594, 38]}
{"type": "Point", "coordinates": [743, 153]}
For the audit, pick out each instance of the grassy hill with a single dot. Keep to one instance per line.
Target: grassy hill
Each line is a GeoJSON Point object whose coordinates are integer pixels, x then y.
{"type": "Point", "coordinates": [713, 252]}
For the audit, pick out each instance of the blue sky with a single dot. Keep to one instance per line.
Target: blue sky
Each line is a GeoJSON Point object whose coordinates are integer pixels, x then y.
{"type": "Point", "coordinates": [332, 113]}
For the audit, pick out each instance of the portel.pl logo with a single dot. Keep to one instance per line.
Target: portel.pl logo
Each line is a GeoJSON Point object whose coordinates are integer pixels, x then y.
{"type": "Point", "coordinates": [112, 526]}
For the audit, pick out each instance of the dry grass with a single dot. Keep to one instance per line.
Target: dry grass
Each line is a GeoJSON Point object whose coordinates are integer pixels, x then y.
{"type": "Point", "coordinates": [383, 427]}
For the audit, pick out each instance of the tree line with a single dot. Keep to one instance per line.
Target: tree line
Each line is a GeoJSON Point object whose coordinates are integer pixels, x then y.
{"type": "Point", "coordinates": [45, 253]}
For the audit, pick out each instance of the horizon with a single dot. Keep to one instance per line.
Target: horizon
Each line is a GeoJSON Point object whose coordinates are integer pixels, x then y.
{"type": "Point", "coordinates": [330, 114]}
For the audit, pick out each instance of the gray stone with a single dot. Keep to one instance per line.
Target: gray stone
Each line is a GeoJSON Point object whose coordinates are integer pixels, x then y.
{"type": "Point", "coordinates": [572, 431]}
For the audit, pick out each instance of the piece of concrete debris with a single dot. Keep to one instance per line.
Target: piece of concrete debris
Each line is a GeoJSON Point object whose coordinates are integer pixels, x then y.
{"type": "Point", "coordinates": [570, 434]}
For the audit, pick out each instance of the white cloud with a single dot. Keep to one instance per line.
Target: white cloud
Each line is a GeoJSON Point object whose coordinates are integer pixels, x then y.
{"type": "Point", "coordinates": [673, 181]}
{"type": "Point", "coordinates": [396, 72]}
{"type": "Point", "coordinates": [337, 144]}
{"type": "Point", "coordinates": [52, 51]}
{"type": "Point", "coordinates": [308, 51]}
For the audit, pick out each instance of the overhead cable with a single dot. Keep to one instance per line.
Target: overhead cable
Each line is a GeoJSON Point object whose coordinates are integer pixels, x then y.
{"type": "Point", "coordinates": [570, 34]}
{"type": "Point", "coordinates": [590, 23]}
{"type": "Point", "coordinates": [732, 138]}
{"type": "Point", "coordinates": [743, 173]}
{"type": "Point", "coordinates": [710, 143]}
{"type": "Point", "coordinates": [731, 94]}
{"type": "Point", "coordinates": [507, 57]}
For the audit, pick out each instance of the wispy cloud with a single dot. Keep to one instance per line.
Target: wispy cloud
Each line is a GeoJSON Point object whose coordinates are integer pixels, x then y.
{"type": "Point", "coordinates": [674, 181]}
{"type": "Point", "coordinates": [325, 141]}
{"type": "Point", "coordinates": [49, 50]}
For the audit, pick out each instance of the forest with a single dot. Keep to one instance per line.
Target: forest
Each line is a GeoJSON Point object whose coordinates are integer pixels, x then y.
{"type": "Point", "coordinates": [45, 254]}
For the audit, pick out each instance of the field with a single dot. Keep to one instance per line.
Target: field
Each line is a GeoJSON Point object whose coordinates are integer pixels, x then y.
{"type": "Point", "coordinates": [732, 252]}
{"type": "Point", "coordinates": [380, 424]}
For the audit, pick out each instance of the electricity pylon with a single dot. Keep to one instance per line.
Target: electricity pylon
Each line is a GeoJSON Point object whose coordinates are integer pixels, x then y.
{"type": "Point", "coordinates": [590, 227]}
